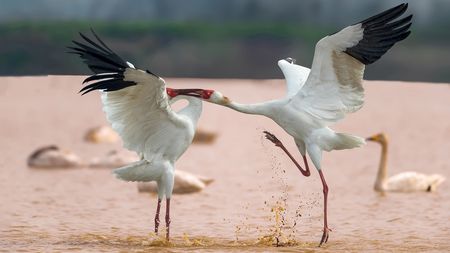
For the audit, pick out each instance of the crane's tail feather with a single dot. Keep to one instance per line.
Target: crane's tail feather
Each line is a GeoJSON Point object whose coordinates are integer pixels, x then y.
{"type": "Point", "coordinates": [325, 139]}
{"type": "Point", "coordinates": [347, 141]}
{"type": "Point", "coordinates": [139, 171]}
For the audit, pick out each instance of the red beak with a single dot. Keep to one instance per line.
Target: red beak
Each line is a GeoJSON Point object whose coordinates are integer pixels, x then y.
{"type": "Point", "coordinates": [187, 92]}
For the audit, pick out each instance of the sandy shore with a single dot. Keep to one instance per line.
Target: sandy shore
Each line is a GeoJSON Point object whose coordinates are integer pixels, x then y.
{"type": "Point", "coordinates": [89, 210]}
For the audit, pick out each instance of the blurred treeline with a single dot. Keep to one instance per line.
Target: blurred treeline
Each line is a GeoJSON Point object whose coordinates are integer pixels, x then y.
{"type": "Point", "coordinates": [220, 39]}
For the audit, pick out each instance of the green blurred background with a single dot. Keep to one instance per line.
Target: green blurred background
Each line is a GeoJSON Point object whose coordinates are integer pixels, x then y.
{"type": "Point", "coordinates": [213, 38]}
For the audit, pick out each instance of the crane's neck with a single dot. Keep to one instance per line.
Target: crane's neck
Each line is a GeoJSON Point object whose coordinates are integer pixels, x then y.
{"type": "Point", "coordinates": [244, 108]}
{"type": "Point", "coordinates": [265, 108]}
{"type": "Point", "coordinates": [193, 110]}
{"type": "Point", "coordinates": [382, 169]}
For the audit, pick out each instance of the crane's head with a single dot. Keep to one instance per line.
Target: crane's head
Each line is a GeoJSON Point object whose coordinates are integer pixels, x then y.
{"type": "Point", "coordinates": [207, 95]}
{"type": "Point", "coordinates": [214, 97]}
{"type": "Point", "coordinates": [380, 138]}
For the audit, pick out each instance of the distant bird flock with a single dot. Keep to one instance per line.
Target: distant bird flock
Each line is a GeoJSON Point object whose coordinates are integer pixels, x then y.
{"type": "Point", "coordinates": [137, 104]}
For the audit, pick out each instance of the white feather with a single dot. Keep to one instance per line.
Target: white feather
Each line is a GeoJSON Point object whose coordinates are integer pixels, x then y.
{"type": "Point", "coordinates": [316, 98]}
{"type": "Point", "coordinates": [143, 118]}
{"type": "Point", "coordinates": [295, 75]}
{"type": "Point", "coordinates": [141, 115]}
{"type": "Point", "coordinates": [334, 86]}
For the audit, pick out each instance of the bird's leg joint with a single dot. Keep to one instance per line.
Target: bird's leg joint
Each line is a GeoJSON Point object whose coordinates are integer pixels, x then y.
{"type": "Point", "coordinates": [325, 189]}
{"type": "Point", "coordinates": [307, 173]}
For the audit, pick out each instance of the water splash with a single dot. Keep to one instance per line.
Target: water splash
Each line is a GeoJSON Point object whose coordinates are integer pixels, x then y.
{"type": "Point", "coordinates": [282, 230]}
{"type": "Point", "coordinates": [151, 240]}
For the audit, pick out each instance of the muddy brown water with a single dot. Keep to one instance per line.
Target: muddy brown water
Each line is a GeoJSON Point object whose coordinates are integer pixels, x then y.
{"type": "Point", "coordinates": [257, 197]}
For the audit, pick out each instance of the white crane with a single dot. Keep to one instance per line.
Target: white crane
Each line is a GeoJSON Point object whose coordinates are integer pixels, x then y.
{"type": "Point", "coordinates": [319, 97]}
{"type": "Point", "coordinates": [408, 181]}
{"type": "Point", "coordinates": [137, 104]}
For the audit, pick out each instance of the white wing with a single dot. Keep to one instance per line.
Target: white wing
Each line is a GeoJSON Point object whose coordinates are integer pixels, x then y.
{"type": "Point", "coordinates": [295, 76]}
{"type": "Point", "coordinates": [135, 103]}
{"type": "Point", "coordinates": [334, 86]}
{"type": "Point", "coordinates": [143, 118]}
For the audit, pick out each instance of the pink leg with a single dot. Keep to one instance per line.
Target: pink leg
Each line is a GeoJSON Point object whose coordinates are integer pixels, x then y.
{"type": "Point", "coordinates": [158, 207]}
{"type": "Point", "coordinates": [325, 221]}
{"type": "Point", "coordinates": [274, 139]}
{"type": "Point", "coordinates": [167, 219]}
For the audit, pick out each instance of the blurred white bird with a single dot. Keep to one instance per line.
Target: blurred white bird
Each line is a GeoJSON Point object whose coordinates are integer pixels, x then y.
{"type": "Point", "coordinates": [137, 105]}
{"type": "Point", "coordinates": [409, 181]}
{"type": "Point", "coordinates": [319, 97]}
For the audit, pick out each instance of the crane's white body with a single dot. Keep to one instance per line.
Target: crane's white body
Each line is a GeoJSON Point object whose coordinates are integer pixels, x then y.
{"type": "Point", "coordinates": [318, 97]}
{"type": "Point", "coordinates": [142, 116]}
{"type": "Point", "coordinates": [136, 104]}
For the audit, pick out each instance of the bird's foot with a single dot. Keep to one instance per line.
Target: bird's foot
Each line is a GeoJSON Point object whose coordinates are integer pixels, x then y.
{"type": "Point", "coordinates": [325, 235]}
{"type": "Point", "coordinates": [271, 137]}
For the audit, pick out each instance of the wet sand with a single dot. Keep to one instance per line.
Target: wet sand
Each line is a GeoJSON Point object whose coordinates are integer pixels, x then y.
{"type": "Point", "coordinates": [88, 210]}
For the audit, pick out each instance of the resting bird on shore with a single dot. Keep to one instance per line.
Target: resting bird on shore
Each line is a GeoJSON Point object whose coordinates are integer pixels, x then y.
{"type": "Point", "coordinates": [137, 104]}
{"type": "Point", "coordinates": [319, 97]}
{"type": "Point", "coordinates": [403, 182]}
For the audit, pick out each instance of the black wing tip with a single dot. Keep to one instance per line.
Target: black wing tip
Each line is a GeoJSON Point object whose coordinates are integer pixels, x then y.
{"type": "Point", "coordinates": [97, 55]}
{"type": "Point", "coordinates": [381, 32]}
{"type": "Point", "coordinates": [84, 93]}
{"type": "Point", "coordinates": [385, 16]}
{"type": "Point", "coordinates": [408, 18]}
{"type": "Point", "coordinates": [104, 76]}
{"type": "Point", "coordinates": [92, 31]}
{"type": "Point", "coordinates": [108, 67]}
{"type": "Point", "coordinates": [401, 7]}
{"type": "Point", "coordinates": [106, 83]}
{"type": "Point", "coordinates": [403, 36]}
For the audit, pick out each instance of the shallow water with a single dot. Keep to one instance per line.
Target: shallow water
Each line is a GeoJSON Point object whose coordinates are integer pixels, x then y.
{"type": "Point", "coordinates": [257, 199]}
